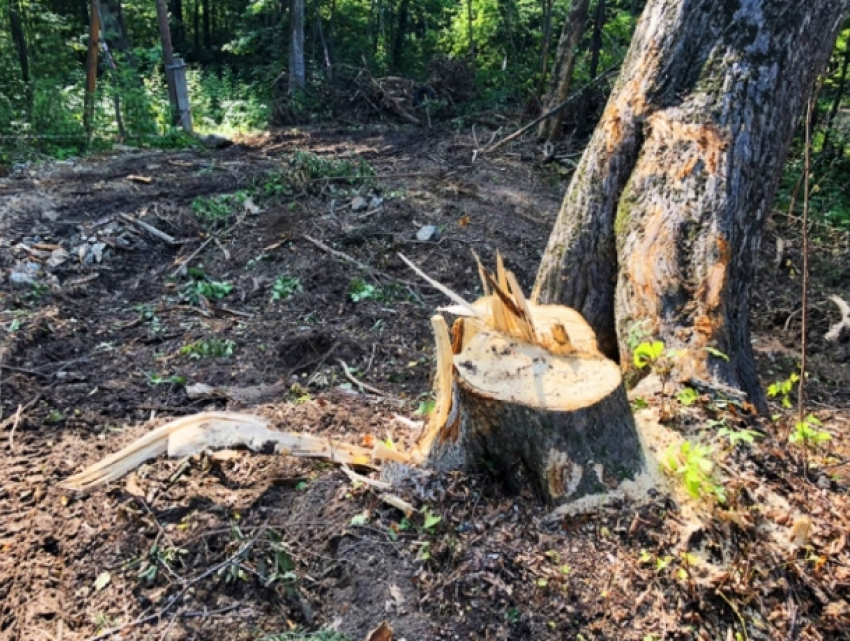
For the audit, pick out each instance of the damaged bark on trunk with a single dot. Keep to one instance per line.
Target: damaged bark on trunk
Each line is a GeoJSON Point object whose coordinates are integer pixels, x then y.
{"type": "Point", "coordinates": [661, 223]}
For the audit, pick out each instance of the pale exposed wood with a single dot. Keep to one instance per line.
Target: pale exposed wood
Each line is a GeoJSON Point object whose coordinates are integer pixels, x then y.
{"type": "Point", "coordinates": [498, 367]}
{"type": "Point", "coordinates": [222, 430]}
{"type": "Point", "coordinates": [842, 327]}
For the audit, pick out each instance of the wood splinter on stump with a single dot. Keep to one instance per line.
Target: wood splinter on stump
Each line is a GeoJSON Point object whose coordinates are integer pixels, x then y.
{"type": "Point", "coordinates": [522, 391]}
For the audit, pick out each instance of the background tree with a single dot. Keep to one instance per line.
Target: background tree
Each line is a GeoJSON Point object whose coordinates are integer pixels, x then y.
{"type": "Point", "coordinates": [562, 76]}
{"type": "Point", "coordinates": [297, 72]}
{"type": "Point", "coordinates": [660, 225]}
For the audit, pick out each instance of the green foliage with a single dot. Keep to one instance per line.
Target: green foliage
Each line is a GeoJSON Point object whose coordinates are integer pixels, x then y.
{"type": "Point", "coordinates": [285, 287]}
{"type": "Point", "coordinates": [158, 557]}
{"type": "Point", "coordinates": [216, 211]}
{"type": "Point", "coordinates": [738, 436]}
{"type": "Point", "coordinates": [692, 464]}
{"type": "Point", "coordinates": [806, 433]}
{"type": "Point", "coordinates": [359, 290]}
{"type": "Point", "coordinates": [647, 354]}
{"type": "Point", "coordinates": [158, 379]}
{"type": "Point", "coordinates": [209, 348]}
{"type": "Point", "coordinates": [202, 289]}
{"type": "Point", "coordinates": [431, 520]}
{"type": "Point", "coordinates": [783, 389]}
{"type": "Point", "coordinates": [687, 396]}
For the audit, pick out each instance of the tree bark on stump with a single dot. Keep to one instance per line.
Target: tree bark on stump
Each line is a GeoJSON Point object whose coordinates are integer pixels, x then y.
{"type": "Point", "coordinates": [661, 224]}
{"type": "Point", "coordinates": [561, 423]}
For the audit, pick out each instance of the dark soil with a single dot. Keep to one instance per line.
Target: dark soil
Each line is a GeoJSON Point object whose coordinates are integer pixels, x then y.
{"type": "Point", "coordinates": [246, 547]}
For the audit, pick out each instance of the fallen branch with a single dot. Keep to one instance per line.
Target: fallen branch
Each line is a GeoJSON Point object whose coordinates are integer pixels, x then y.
{"type": "Point", "coordinates": [578, 94]}
{"type": "Point", "coordinates": [153, 231]}
{"type": "Point", "coordinates": [842, 327]}
{"type": "Point", "coordinates": [353, 261]}
{"type": "Point", "coordinates": [181, 269]}
{"type": "Point", "coordinates": [338, 254]}
{"type": "Point", "coordinates": [358, 382]}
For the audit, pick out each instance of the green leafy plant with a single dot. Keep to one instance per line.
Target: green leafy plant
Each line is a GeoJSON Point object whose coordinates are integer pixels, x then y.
{"type": "Point", "coordinates": [654, 355]}
{"type": "Point", "coordinates": [215, 211]}
{"type": "Point", "coordinates": [200, 289]}
{"type": "Point", "coordinates": [782, 389]}
{"type": "Point", "coordinates": [431, 520]}
{"type": "Point", "coordinates": [425, 407]}
{"type": "Point", "coordinates": [359, 290]}
{"type": "Point", "coordinates": [157, 558]}
{"type": "Point", "coordinates": [693, 465]}
{"type": "Point", "coordinates": [285, 287]}
{"type": "Point", "coordinates": [647, 353]}
{"type": "Point", "coordinates": [158, 379]}
{"type": "Point", "coordinates": [277, 564]}
{"type": "Point", "coordinates": [806, 433]}
{"type": "Point", "coordinates": [738, 436]}
{"type": "Point", "coordinates": [687, 396]}
{"type": "Point", "coordinates": [149, 317]}
{"type": "Point", "coordinates": [209, 348]}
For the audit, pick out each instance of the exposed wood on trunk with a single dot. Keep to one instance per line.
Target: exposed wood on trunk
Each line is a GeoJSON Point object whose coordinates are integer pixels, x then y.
{"type": "Point", "coordinates": [662, 220]}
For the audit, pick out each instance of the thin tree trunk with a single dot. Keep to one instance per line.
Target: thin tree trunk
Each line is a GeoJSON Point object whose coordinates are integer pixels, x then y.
{"type": "Point", "coordinates": [544, 48]}
{"type": "Point", "coordinates": [297, 72]}
{"type": "Point", "coordinates": [470, 32]}
{"type": "Point", "coordinates": [836, 102]}
{"type": "Point", "coordinates": [91, 67]}
{"type": "Point", "coordinates": [400, 33]}
{"type": "Point", "coordinates": [196, 26]}
{"type": "Point", "coordinates": [562, 75]}
{"type": "Point", "coordinates": [595, 50]}
{"type": "Point", "coordinates": [168, 59]}
{"type": "Point", "coordinates": [207, 26]}
{"type": "Point", "coordinates": [19, 37]}
{"type": "Point", "coordinates": [179, 30]}
{"type": "Point", "coordinates": [661, 223]}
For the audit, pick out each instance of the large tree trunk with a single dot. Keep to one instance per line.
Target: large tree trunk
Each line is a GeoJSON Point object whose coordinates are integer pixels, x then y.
{"type": "Point", "coordinates": [662, 220]}
{"type": "Point", "coordinates": [565, 62]}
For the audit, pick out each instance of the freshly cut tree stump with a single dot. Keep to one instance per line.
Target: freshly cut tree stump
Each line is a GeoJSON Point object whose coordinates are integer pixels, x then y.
{"type": "Point", "coordinates": [562, 423]}
{"type": "Point", "coordinates": [523, 391]}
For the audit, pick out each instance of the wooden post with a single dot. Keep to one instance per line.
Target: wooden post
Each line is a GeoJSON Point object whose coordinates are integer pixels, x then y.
{"type": "Point", "coordinates": [91, 68]}
{"type": "Point", "coordinates": [184, 110]}
{"type": "Point", "coordinates": [168, 58]}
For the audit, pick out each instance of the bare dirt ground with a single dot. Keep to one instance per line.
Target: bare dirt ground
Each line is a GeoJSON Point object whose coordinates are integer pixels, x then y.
{"type": "Point", "coordinates": [101, 340]}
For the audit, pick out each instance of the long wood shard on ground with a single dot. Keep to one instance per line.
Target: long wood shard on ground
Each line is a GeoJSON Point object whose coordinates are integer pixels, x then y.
{"type": "Point", "coordinates": [520, 389]}
{"type": "Point", "coordinates": [222, 430]}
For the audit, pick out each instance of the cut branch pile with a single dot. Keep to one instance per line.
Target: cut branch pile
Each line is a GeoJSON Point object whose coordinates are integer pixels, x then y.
{"type": "Point", "coordinates": [520, 389]}
{"type": "Point", "coordinates": [392, 94]}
